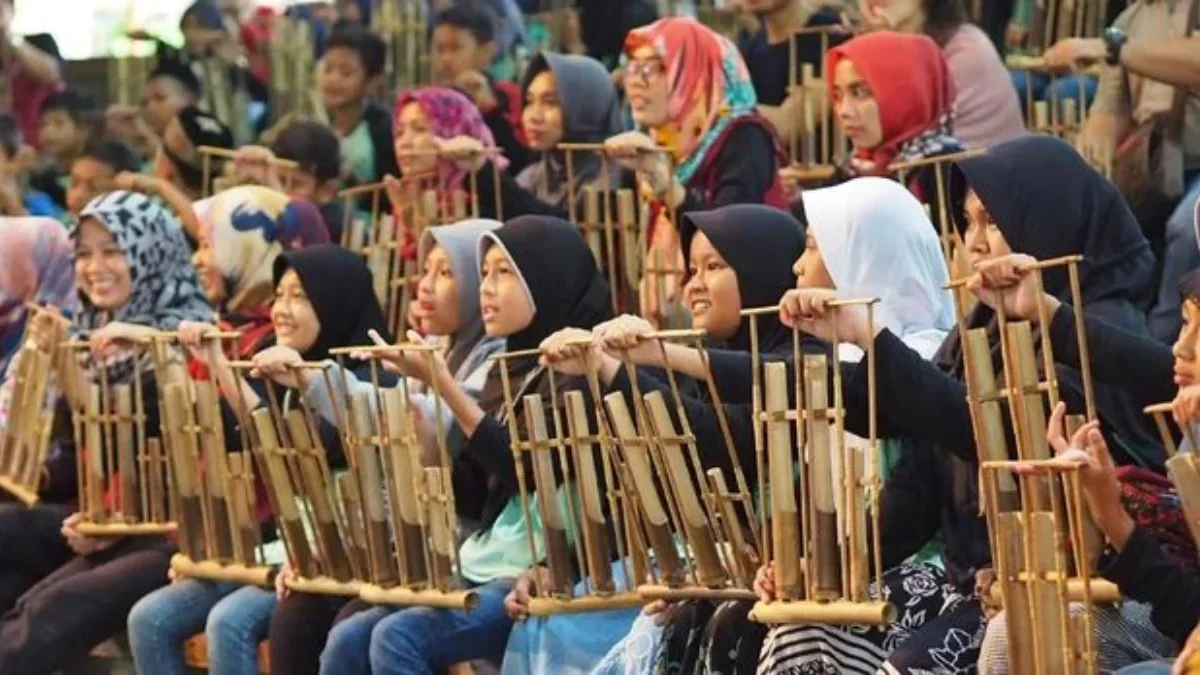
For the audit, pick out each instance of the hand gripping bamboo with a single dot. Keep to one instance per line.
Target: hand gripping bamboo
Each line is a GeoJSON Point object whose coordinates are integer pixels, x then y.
{"type": "Point", "coordinates": [1182, 467]}
{"type": "Point", "coordinates": [824, 488]}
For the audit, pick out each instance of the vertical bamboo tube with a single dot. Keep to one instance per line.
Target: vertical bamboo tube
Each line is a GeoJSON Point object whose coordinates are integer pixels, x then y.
{"type": "Point", "coordinates": [275, 474]}
{"type": "Point", "coordinates": [212, 449]}
{"type": "Point", "coordinates": [183, 462]}
{"type": "Point", "coordinates": [591, 517]}
{"type": "Point", "coordinates": [334, 555]}
{"type": "Point", "coordinates": [407, 482]}
{"type": "Point", "coordinates": [825, 560]}
{"type": "Point", "coordinates": [554, 525]}
{"type": "Point", "coordinates": [371, 477]}
{"type": "Point", "coordinates": [785, 524]}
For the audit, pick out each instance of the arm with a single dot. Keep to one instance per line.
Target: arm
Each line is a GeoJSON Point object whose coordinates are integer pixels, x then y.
{"type": "Point", "coordinates": [1142, 367]}
{"type": "Point", "coordinates": [1175, 61]}
{"type": "Point", "coordinates": [1144, 572]}
{"type": "Point", "coordinates": [36, 64]}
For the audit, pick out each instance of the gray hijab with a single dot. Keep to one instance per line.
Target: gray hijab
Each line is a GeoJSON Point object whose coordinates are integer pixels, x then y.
{"type": "Point", "coordinates": [460, 241]}
{"type": "Point", "coordinates": [591, 113]}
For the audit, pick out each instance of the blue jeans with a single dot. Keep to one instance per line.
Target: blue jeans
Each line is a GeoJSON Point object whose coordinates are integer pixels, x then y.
{"type": "Point", "coordinates": [419, 640]}
{"type": "Point", "coordinates": [1181, 254]}
{"type": "Point", "coordinates": [234, 618]}
{"type": "Point", "coordinates": [1162, 667]}
{"type": "Point", "coordinates": [1041, 88]}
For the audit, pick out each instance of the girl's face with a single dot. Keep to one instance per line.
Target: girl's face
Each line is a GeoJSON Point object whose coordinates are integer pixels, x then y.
{"type": "Point", "coordinates": [502, 299]}
{"type": "Point", "coordinates": [210, 277]}
{"type": "Point", "coordinates": [856, 107]}
{"type": "Point", "coordinates": [711, 291]}
{"type": "Point", "coordinates": [983, 238]}
{"type": "Point", "coordinates": [101, 268]}
{"type": "Point", "coordinates": [293, 315]}
{"type": "Point", "coordinates": [810, 267]}
{"type": "Point", "coordinates": [1185, 348]}
{"type": "Point", "coordinates": [647, 88]}
{"type": "Point", "coordinates": [413, 134]}
{"type": "Point", "coordinates": [437, 295]}
{"type": "Point", "coordinates": [542, 115]}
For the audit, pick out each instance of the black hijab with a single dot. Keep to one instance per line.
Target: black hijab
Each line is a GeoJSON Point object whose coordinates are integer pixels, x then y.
{"type": "Point", "coordinates": [339, 286]}
{"type": "Point", "coordinates": [558, 269]}
{"type": "Point", "coordinates": [1048, 202]}
{"type": "Point", "coordinates": [761, 244]}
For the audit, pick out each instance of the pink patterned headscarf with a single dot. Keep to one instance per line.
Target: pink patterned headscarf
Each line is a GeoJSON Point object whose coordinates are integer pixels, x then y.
{"type": "Point", "coordinates": [450, 114]}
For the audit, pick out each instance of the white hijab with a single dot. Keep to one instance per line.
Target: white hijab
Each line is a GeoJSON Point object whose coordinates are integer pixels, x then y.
{"type": "Point", "coordinates": [877, 241]}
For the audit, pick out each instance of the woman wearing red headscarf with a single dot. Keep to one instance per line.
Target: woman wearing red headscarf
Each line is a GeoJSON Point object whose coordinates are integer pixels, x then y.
{"type": "Point", "coordinates": [894, 98]}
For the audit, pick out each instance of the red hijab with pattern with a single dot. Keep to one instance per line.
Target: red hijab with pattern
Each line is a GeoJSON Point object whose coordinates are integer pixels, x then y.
{"type": "Point", "coordinates": [450, 113]}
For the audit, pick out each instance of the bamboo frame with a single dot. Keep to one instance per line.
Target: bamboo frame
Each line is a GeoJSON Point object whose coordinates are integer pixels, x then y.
{"type": "Point", "coordinates": [124, 482]}
{"type": "Point", "coordinates": [294, 71]}
{"type": "Point", "coordinates": [613, 223]}
{"type": "Point", "coordinates": [821, 145]}
{"type": "Point", "coordinates": [380, 240]}
{"type": "Point", "coordinates": [714, 524]}
{"type": "Point", "coordinates": [825, 541]}
{"type": "Point", "coordinates": [1182, 467]}
{"type": "Point", "coordinates": [219, 537]}
{"type": "Point", "coordinates": [228, 101]}
{"type": "Point", "coordinates": [405, 31]}
{"type": "Point", "coordinates": [25, 439]}
{"type": "Point", "coordinates": [127, 74]}
{"type": "Point", "coordinates": [407, 519]}
{"type": "Point", "coordinates": [1043, 541]}
{"type": "Point", "coordinates": [594, 504]}
{"type": "Point", "coordinates": [1057, 20]}
{"type": "Point", "coordinates": [285, 168]}
{"type": "Point", "coordinates": [312, 508]}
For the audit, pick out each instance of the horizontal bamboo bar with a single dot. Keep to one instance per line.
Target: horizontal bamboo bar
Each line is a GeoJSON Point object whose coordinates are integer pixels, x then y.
{"type": "Point", "coordinates": [306, 365]}
{"type": "Point", "coordinates": [518, 354]}
{"type": "Point", "coordinates": [929, 161]}
{"type": "Point", "coordinates": [125, 529]}
{"type": "Point", "coordinates": [840, 302]}
{"type": "Point", "coordinates": [324, 586]}
{"type": "Point", "coordinates": [407, 597]}
{"type": "Point", "coordinates": [27, 497]}
{"type": "Point", "coordinates": [1159, 408]}
{"type": "Point", "coordinates": [212, 570]}
{"type": "Point", "coordinates": [815, 172]}
{"type": "Point", "coordinates": [174, 334]}
{"type": "Point", "coordinates": [651, 592]}
{"type": "Point", "coordinates": [491, 152]}
{"type": "Point", "coordinates": [543, 607]}
{"type": "Point", "coordinates": [1053, 465]}
{"type": "Point", "coordinates": [1039, 265]}
{"type": "Point", "coordinates": [836, 612]}
{"type": "Point", "coordinates": [226, 153]}
{"type": "Point", "coordinates": [384, 349]}
{"type": "Point", "coordinates": [600, 147]}
{"type": "Point", "coordinates": [1038, 64]}
{"type": "Point", "coordinates": [1103, 591]}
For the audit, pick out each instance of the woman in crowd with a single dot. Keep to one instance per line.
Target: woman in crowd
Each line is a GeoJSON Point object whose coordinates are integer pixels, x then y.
{"type": "Point", "coordinates": [131, 266]}
{"type": "Point", "coordinates": [244, 230]}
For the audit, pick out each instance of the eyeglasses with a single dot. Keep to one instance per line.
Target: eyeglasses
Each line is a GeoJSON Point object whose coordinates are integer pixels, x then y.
{"type": "Point", "coordinates": [645, 70]}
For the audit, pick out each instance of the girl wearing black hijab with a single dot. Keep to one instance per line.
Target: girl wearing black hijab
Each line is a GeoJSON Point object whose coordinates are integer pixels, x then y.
{"type": "Point", "coordinates": [729, 270]}
{"type": "Point", "coordinates": [538, 276]}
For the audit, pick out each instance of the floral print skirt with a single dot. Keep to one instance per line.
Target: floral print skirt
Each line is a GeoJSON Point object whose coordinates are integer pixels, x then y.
{"type": "Point", "coordinates": [938, 631]}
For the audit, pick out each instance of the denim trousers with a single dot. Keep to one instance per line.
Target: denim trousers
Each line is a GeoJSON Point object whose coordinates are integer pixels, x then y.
{"type": "Point", "coordinates": [1040, 87]}
{"type": "Point", "coordinates": [419, 640]}
{"type": "Point", "coordinates": [234, 619]}
{"type": "Point", "coordinates": [1149, 668]}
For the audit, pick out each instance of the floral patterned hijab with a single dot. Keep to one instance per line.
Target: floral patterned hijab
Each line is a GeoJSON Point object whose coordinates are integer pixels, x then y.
{"type": "Point", "coordinates": [709, 83]}
{"type": "Point", "coordinates": [450, 113]}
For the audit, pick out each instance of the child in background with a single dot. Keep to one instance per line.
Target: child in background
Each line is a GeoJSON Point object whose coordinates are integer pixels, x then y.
{"type": "Point", "coordinates": [16, 197]}
{"type": "Point", "coordinates": [93, 173]}
{"type": "Point", "coordinates": [178, 161]}
{"type": "Point", "coordinates": [63, 133]}
{"type": "Point", "coordinates": [354, 59]}
{"type": "Point", "coordinates": [316, 150]}
{"type": "Point", "coordinates": [464, 46]}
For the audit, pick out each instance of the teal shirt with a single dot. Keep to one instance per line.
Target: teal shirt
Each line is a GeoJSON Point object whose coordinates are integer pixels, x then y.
{"type": "Point", "coordinates": [358, 154]}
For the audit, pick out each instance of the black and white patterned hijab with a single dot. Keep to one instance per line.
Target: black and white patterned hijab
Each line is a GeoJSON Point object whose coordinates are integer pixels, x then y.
{"type": "Point", "coordinates": [166, 290]}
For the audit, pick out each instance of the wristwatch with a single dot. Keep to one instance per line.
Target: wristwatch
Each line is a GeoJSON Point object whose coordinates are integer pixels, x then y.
{"type": "Point", "coordinates": [1114, 41]}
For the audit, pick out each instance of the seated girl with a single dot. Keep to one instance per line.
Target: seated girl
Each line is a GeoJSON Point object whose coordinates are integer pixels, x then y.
{"type": "Point", "coordinates": [244, 230]}
{"type": "Point", "coordinates": [538, 276]}
{"type": "Point", "coordinates": [131, 264]}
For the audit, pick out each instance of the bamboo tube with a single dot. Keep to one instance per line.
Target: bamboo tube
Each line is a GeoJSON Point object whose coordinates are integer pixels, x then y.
{"type": "Point", "coordinates": [185, 567]}
{"type": "Point", "coordinates": [785, 524]}
{"type": "Point", "coordinates": [822, 553]}
{"type": "Point", "coordinates": [404, 468]}
{"type": "Point", "coordinates": [212, 453]}
{"type": "Point", "coordinates": [838, 612]}
{"type": "Point", "coordinates": [323, 585]}
{"type": "Point", "coordinates": [547, 606]}
{"type": "Point", "coordinates": [191, 515]}
{"type": "Point", "coordinates": [334, 556]}
{"type": "Point", "coordinates": [591, 517]}
{"type": "Point", "coordinates": [442, 538]}
{"type": "Point", "coordinates": [407, 597]}
{"type": "Point", "coordinates": [275, 475]}
{"type": "Point", "coordinates": [554, 525]}
{"type": "Point", "coordinates": [652, 592]}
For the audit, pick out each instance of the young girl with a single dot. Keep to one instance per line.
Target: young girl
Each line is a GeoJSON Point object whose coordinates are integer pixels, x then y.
{"type": "Point", "coordinates": [245, 230]}
{"type": "Point", "coordinates": [691, 93]}
{"type": "Point", "coordinates": [568, 99]}
{"type": "Point", "coordinates": [893, 97]}
{"type": "Point", "coordinates": [538, 277]}
{"type": "Point", "coordinates": [131, 265]}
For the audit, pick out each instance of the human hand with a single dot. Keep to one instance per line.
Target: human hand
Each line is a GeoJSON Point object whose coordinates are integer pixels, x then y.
{"type": "Point", "coordinates": [279, 364]}
{"type": "Point", "coordinates": [105, 339]}
{"type": "Point", "coordinates": [82, 545]}
{"type": "Point", "coordinates": [625, 338]}
{"type": "Point", "coordinates": [1008, 282]}
{"type": "Point", "coordinates": [764, 583]}
{"type": "Point", "coordinates": [192, 336]}
{"type": "Point", "coordinates": [1097, 473]}
{"type": "Point", "coordinates": [285, 574]}
{"type": "Point", "coordinates": [466, 152]}
{"type": "Point", "coordinates": [516, 603]}
{"type": "Point", "coordinates": [46, 328]}
{"type": "Point", "coordinates": [810, 310]}
{"type": "Point", "coordinates": [1188, 661]}
{"type": "Point", "coordinates": [135, 182]}
{"type": "Point", "coordinates": [256, 164]}
{"type": "Point", "coordinates": [635, 151]}
{"type": "Point", "coordinates": [1074, 53]}
{"type": "Point", "coordinates": [426, 366]}
{"type": "Point", "coordinates": [1099, 137]}
{"type": "Point", "coordinates": [1186, 406]}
